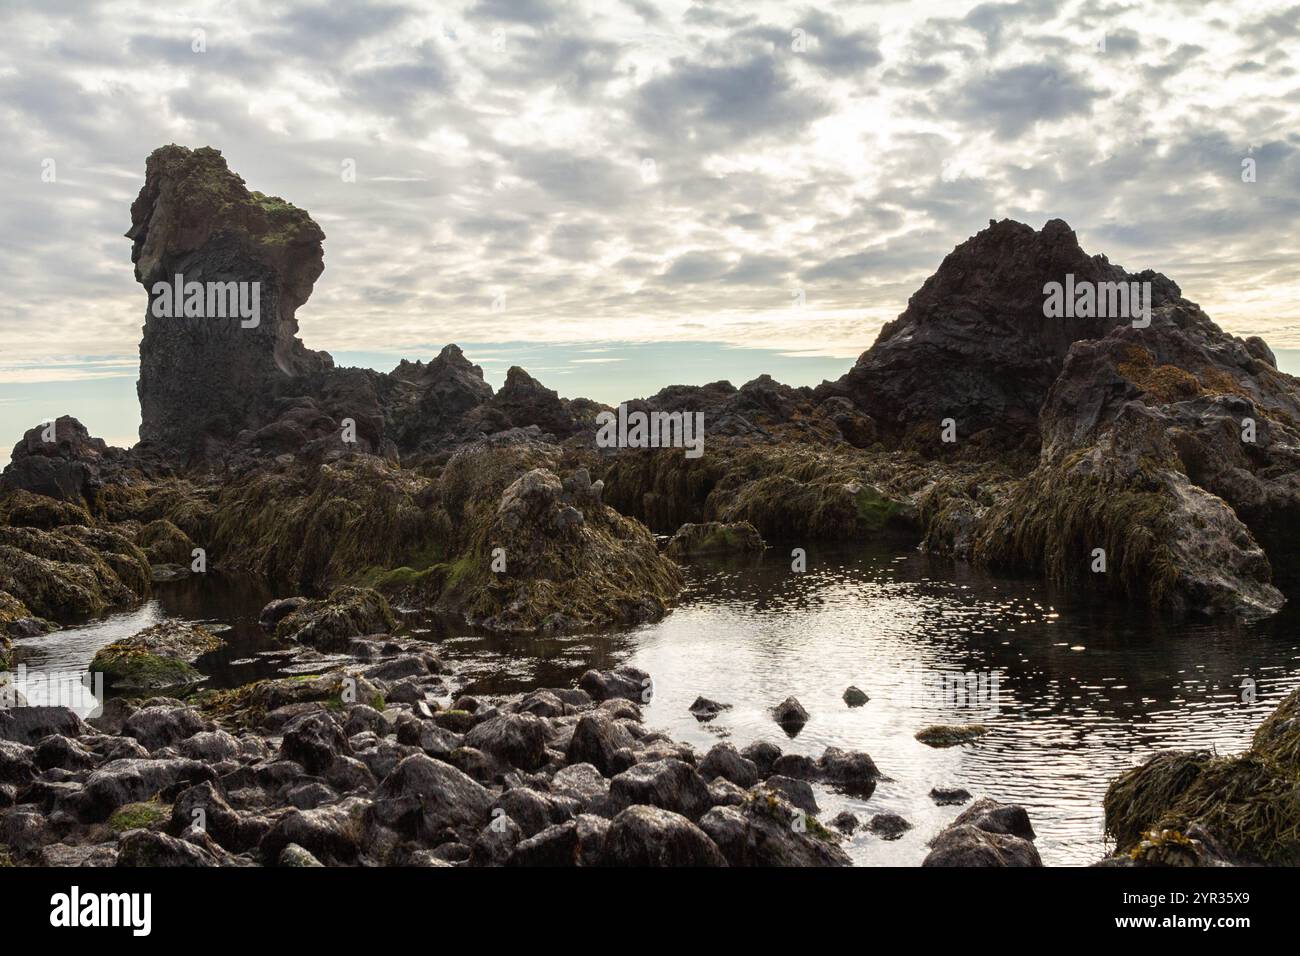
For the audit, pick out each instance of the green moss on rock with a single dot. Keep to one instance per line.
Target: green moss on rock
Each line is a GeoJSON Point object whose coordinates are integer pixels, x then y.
{"type": "Point", "coordinates": [139, 816]}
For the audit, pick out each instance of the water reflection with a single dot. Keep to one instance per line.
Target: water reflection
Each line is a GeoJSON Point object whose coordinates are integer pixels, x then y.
{"type": "Point", "coordinates": [1073, 692]}
{"type": "Point", "coordinates": [1083, 690]}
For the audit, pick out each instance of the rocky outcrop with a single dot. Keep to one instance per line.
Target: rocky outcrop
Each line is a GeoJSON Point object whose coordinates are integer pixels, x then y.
{"type": "Point", "coordinates": [242, 388]}
{"type": "Point", "coordinates": [329, 624]}
{"type": "Point", "coordinates": [973, 343]}
{"type": "Point", "coordinates": [58, 459]}
{"type": "Point", "coordinates": [72, 571]}
{"type": "Point", "coordinates": [545, 552]}
{"type": "Point", "coordinates": [204, 378]}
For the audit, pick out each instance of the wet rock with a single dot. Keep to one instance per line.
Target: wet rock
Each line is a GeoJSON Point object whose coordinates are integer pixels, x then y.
{"type": "Point", "coordinates": [534, 811]}
{"type": "Point", "coordinates": [277, 610]}
{"type": "Point", "coordinates": [799, 793]}
{"type": "Point", "coordinates": [211, 746]}
{"type": "Point", "coordinates": [723, 760]}
{"type": "Point", "coordinates": [308, 795]}
{"type": "Point", "coordinates": [798, 766]}
{"type": "Point", "coordinates": [62, 752]}
{"type": "Point", "coordinates": [986, 834]}
{"type": "Point", "coordinates": [851, 771]}
{"type": "Point", "coordinates": [496, 841]}
{"type": "Point", "coordinates": [63, 855]}
{"type": "Point", "coordinates": [24, 830]}
{"type": "Point", "coordinates": [598, 740]}
{"type": "Point", "coordinates": [668, 784]}
{"type": "Point", "coordinates": [156, 657]}
{"type": "Point", "coordinates": [650, 836]}
{"type": "Point", "coordinates": [769, 831]}
{"type": "Point", "coordinates": [153, 849]}
{"type": "Point", "coordinates": [433, 740]}
{"type": "Point", "coordinates": [330, 833]}
{"type": "Point", "coordinates": [313, 740]}
{"type": "Point", "coordinates": [577, 842]}
{"type": "Point", "coordinates": [846, 822]}
{"type": "Point", "coordinates": [542, 703]}
{"type": "Point", "coordinates": [582, 782]}
{"type": "Point", "coordinates": [714, 538]}
{"type": "Point", "coordinates": [888, 826]}
{"type": "Point", "coordinates": [724, 793]}
{"type": "Point", "coordinates": [347, 775]}
{"type": "Point", "coordinates": [994, 817]}
{"type": "Point", "coordinates": [950, 735]}
{"type": "Point", "coordinates": [704, 709]}
{"type": "Point", "coordinates": [629, 683]}
{"type": "Point", "coordinates": [294, 855]}
{"type": "Point", "coordinates": [791, 715]}
{"type": "Point", "coordinates": [970, 846]}
{"type": "Point", "coordinates": [120, 782]}
{"type": "Point", "coordinates": [949, 796]}
{"type": "Point", "coordinates": [855, 697]}
{"type": "Point", "coordinates": [329, 624]}
{"type": "Point", "coordinates": [764, 755]}
{"type": "Point", "coordinates": [204, 806]}
{"type": "Point", "coordinates": [17, 764]}
{"type": "Point", "coordinates": [161, 726]}
{"type": "Point", "coordinates": [28, 725]}
{"type": "Point", "coordinates": [422, 796]}
{"type": "Point", "coordinates": [518, 739]}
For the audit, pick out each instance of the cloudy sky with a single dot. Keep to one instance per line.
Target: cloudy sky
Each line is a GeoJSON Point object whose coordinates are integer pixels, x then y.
{"type": "Point", "coordinates": [745, 174]}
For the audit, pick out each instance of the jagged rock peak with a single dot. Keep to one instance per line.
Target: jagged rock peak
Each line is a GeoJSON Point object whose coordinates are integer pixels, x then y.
{"type": "Point", "coordinates": [451, 360]}
{"type": "Point", "coordinates": [974, 343]}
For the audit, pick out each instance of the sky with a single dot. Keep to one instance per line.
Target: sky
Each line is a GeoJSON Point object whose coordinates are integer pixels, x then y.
{"type": "Point", "coordinates": [632, 193]}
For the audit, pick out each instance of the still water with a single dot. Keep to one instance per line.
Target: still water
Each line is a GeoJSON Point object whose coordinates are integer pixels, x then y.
{"type": "Point", "coordinates": [1073, 691]}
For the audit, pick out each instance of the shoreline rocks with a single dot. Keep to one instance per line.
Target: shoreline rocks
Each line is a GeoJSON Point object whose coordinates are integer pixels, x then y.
{"type": "Point", "coordinates": [297, 772]}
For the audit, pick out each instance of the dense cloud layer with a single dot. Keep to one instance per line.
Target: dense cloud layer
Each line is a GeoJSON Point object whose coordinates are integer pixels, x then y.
{"type": "Point", "coordinates": [645, 170]}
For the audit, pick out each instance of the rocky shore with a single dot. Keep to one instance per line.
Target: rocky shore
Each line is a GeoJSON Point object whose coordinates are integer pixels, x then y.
{"type": "Point", "coordinates": [974, 427]}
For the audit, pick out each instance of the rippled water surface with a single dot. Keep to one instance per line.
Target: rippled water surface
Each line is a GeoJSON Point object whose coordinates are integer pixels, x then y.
{"type": "Point", "coordinates": [1073, 692]}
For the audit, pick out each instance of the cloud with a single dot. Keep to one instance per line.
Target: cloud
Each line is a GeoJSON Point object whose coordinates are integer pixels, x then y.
{"type": "Point", "coordinates": [501, 147]}
{"type": "Point", "coordinates": [1017, 98]}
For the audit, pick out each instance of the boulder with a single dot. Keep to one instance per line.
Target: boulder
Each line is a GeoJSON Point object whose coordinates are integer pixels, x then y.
{"type": "Point", "coordinates": [650, 836]}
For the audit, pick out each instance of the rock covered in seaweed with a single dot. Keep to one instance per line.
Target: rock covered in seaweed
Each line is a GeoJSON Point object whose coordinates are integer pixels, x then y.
{"type": "Point", "coordinates": [157, 657]}
{"type": "Point", "coordinates": [714, 538]}
{"type": "Point", "coordinates": [1199, 808]}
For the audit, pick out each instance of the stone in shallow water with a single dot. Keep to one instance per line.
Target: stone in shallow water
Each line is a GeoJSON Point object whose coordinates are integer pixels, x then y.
{"type": "Point", "coordinates": [949, 796]}
{"type": "Point", "coordinates": [888, 826]}
{"type": "Point", "coordinates": [704, 709]}
{"type": "Point", "coordinates": [790, 714]}
{"type": "Point", "coordinates": [950, 735]}
{"type": "Point", "coordinates": [845, 821]}
{"type": "Point", "coordinates": [855, 697]}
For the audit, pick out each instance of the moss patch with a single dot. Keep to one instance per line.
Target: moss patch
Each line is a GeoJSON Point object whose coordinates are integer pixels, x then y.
{"type": "Point", "coordinates": [139, 816]}
{"type": "Point", "coordinates": [127, 668]}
